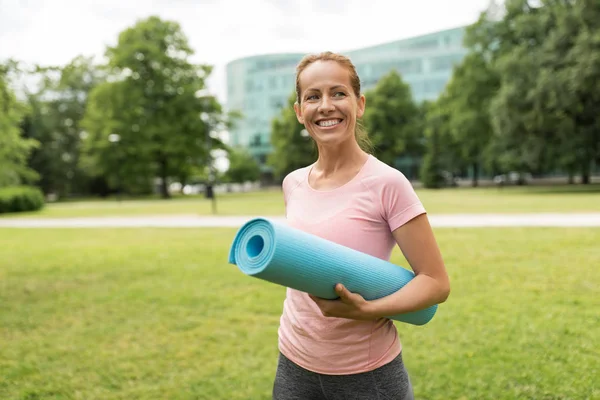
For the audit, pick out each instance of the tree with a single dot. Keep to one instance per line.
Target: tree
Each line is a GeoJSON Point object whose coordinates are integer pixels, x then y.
{"type": "Point", "coordinates": [242, 167]}
{"type": "Point", "coordinates": [431, 168]}
{"type": "Point", "coordinates": [469, 94]}
{"type": "Point", "coordinates": [547, 56]}
{"type": "Point", "coordinates": [56, 111]}
{"type": "Point", "coordinates": [442, 152]}
{"type": "Point", "coordinates": [519, 133]}
{"type": "Point", "coordinates": [577, 99]}
{"type": "Point", "coordinates": [14, 149]}
{"type": "Point", "coordinates": [153, 104]}
{"type": "Point", "coordinates": [292, 148]}
{"type": "Point", "coordinates": [116, 148]}
{"type": "Point", "coordinates": [391, 118]}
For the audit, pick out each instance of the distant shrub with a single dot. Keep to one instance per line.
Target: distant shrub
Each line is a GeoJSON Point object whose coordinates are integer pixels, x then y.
{"type": "Point", "coordinates": [431, 174]}
{"type": "Point", "coordinates": [20, 198]}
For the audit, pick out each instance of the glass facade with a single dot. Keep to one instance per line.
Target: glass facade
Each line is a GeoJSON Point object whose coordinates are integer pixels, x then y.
{"type": "Point", "coordinates": [260, 86]}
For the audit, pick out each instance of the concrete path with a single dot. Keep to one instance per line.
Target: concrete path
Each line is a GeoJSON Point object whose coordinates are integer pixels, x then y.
{"type": "Point", "coordinates": [193, 221]}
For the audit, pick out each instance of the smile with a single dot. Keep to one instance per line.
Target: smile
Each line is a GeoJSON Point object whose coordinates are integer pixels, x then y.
{"type": "Point", "coordinates": [326, 123]}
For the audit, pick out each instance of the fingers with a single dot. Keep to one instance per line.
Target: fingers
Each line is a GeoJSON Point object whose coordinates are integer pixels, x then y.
{"type": "Point", "coordinates": [342, 292]}
{"type": "Point", "coordinates": [339, 289]}
{"type": "Point", "coordinates": [348, 305]}
{"type": "Point", "coordinates": [321, 303]}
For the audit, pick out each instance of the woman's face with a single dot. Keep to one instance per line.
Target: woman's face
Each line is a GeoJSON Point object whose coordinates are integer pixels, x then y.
{"type": "Point", "coordinates": [328, 107]}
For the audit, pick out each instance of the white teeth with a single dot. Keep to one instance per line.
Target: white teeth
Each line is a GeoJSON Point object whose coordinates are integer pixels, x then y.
{"type": "Point", "coordinates": [330, 122]}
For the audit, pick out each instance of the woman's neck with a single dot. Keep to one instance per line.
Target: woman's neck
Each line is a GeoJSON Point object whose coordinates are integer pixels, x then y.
{"type": "Point", "coordinates": [340, 158]}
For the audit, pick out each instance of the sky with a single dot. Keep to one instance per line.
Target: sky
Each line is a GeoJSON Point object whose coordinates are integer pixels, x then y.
{"type": "Point", "coordinates": [53, 32]}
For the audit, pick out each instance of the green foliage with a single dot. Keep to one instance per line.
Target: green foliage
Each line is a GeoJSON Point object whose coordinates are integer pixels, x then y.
{"type": "Point", "coordinates": [468, 97]}
{"type": "Point", "coordinates": [20, 198]}
{"type": "Point", "coordinates": [57, 108]}
{"type": "Point", "coordinates": [126, 160]}
{"type": "Point", "coordinates": [14, 148]}
{"type": "Point", "coordinates": [579, 78]}
{"type": "Point", "coordinates": [525, 98]}
{"type": "Point", "coordinates": [431, 171]}
{"type": "Point", "coordinates": [392, 119]}
{"type": "Point", "coordinates": [548, 60]}
{"type": "Point", "coordinates": [436, 134]}
{"type": "Point", "coordinates": [291, 149]}
{"type": "Point", "coordinates": [242, 167]}
{"type": "Point", "coordinates": [155, 107]}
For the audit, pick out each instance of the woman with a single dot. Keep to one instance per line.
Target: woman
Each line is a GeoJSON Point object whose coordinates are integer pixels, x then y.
{"type": "Point", "coordinates": [346, 348]}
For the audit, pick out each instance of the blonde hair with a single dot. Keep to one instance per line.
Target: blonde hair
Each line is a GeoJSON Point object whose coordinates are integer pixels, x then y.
{"type": "Point", "coordinates": [359, 131]}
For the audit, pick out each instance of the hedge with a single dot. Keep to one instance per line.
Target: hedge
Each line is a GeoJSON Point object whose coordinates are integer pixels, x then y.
{"type": "Point", "coordinates": [20, 198]}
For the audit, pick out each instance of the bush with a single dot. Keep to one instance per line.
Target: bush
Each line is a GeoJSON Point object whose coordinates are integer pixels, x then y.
{"type": "Point", "coordinates": [20, 198]}
{"type": "Point", "coordinates": [431, 174]}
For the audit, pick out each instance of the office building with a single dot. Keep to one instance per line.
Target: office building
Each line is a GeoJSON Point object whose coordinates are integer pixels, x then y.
{"type": "Point", "coordinates": [260, 86]}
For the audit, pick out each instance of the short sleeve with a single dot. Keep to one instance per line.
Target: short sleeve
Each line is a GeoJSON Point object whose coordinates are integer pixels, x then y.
{"type": "Point", "coordinates": [290, 183]}
{"type": "Point", "coordinates": [285, 188]}
{"type": "Point", "coordinates": [399, 201]}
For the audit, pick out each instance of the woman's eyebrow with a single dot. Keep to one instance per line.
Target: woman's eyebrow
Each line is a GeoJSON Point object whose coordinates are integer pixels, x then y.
{"type": "Point", "coordinates": [331, 88]}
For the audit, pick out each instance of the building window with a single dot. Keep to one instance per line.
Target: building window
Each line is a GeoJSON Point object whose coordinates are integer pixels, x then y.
{"type": "Point", "coordinates": [276, 103]}
{"type": "Point", "coordinates": [409, 67]}
{"type": "Point", "coordinates": [425, 44]}
{"type": "Point", "coordinates": [444, 63]}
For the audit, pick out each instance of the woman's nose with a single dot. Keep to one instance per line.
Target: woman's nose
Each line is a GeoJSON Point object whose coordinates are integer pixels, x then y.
{"type": "Point", "coordinates": [326, 104]}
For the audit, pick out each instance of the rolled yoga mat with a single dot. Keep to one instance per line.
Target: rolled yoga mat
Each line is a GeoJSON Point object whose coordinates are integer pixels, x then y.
{"type": "Point", "coordinates": [292, 258]}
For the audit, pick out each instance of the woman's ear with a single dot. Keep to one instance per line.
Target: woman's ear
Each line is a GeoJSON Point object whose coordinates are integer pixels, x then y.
{"type": "Point", "coordinates": [298, 111]}
{"type": "Point", "coordinates": [361, 102]}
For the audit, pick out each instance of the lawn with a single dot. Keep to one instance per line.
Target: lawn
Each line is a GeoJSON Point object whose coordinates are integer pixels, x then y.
{"type": "Point", "coordinates": [566, 199]}
{"type": "Point", "coordinates": [159, 314]}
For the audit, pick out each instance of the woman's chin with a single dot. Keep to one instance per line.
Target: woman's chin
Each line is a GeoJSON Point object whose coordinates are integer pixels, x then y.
{"type": "Point", "coordinates": [332, 138]}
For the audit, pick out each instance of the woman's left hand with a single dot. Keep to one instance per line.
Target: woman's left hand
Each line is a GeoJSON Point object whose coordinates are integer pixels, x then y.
{"type": "Point", "coordinates": [349, 305]}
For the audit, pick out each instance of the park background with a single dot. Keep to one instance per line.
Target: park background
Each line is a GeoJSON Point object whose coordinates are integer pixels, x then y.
{"type": "Point", "coordinates": [144, 129]}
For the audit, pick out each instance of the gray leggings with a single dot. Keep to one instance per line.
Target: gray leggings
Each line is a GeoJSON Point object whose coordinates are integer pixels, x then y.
{"type": "Point", "coordinates": [388, 382]}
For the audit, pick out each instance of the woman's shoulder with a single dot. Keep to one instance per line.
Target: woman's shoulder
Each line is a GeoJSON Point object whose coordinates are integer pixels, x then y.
{"type": "Point", "coordinates": [381, 175]}
{"type": "Point", "coordinates": [394, 191]}
{"type": "Point", "coordinates": [294, 179]}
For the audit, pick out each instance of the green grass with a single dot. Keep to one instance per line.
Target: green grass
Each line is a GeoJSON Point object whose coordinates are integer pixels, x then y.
{"type": "Point", "coordinates": [265, 202]}
{"type": "Point", "coordinates": [159, 314]}
{"type": "Point", "coordinates": [577, 198]}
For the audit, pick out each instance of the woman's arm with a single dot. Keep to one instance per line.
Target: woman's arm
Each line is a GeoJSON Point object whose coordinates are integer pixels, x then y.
{"type": "Point", "coordinates": [430, 285]}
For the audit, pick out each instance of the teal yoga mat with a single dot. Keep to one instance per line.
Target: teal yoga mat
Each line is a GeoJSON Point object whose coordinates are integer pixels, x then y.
{"type": "Point", "coordinates": [289, 257]}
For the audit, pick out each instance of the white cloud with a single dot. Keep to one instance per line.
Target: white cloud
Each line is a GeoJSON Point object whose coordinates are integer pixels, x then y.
{"type": "Point", "coordinates": [54, 32]}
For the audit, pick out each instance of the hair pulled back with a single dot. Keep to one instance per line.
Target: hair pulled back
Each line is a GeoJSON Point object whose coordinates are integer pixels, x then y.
{"type": "Point", "coordinates": [359, 132]}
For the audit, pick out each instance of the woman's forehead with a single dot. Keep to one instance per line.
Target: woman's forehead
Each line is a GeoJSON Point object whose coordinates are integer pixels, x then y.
{"type": "Point", "coordinates": [324, 74]}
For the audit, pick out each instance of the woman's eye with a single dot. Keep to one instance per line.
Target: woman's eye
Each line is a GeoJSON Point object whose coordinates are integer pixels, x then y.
{"type": "Point", "coordinates": [311, 97]}
{"type": "Point", "coordinates": [338, 94]}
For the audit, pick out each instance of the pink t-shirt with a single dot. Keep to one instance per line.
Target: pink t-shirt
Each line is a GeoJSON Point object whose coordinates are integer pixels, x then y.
{"type": "Point", "coordinates": [361, 215]}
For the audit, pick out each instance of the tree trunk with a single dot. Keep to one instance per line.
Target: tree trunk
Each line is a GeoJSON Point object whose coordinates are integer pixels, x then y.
{"type": "Point", "coordinates": [164, 189]}
{"type": "Point", "coordinates": [475, 182]}
{"type": "Point", "coordinates": [183, 181]}
{"type": "Point", "coordinates": [585, 178]}
{"type": "Point", "coordinates": [585, 173]}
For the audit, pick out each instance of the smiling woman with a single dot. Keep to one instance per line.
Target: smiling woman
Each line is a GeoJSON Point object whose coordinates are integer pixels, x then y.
{"type": "Point", "coordinates": [328, 68]}
{"type": "Point", "coordinates": [332, 349]}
